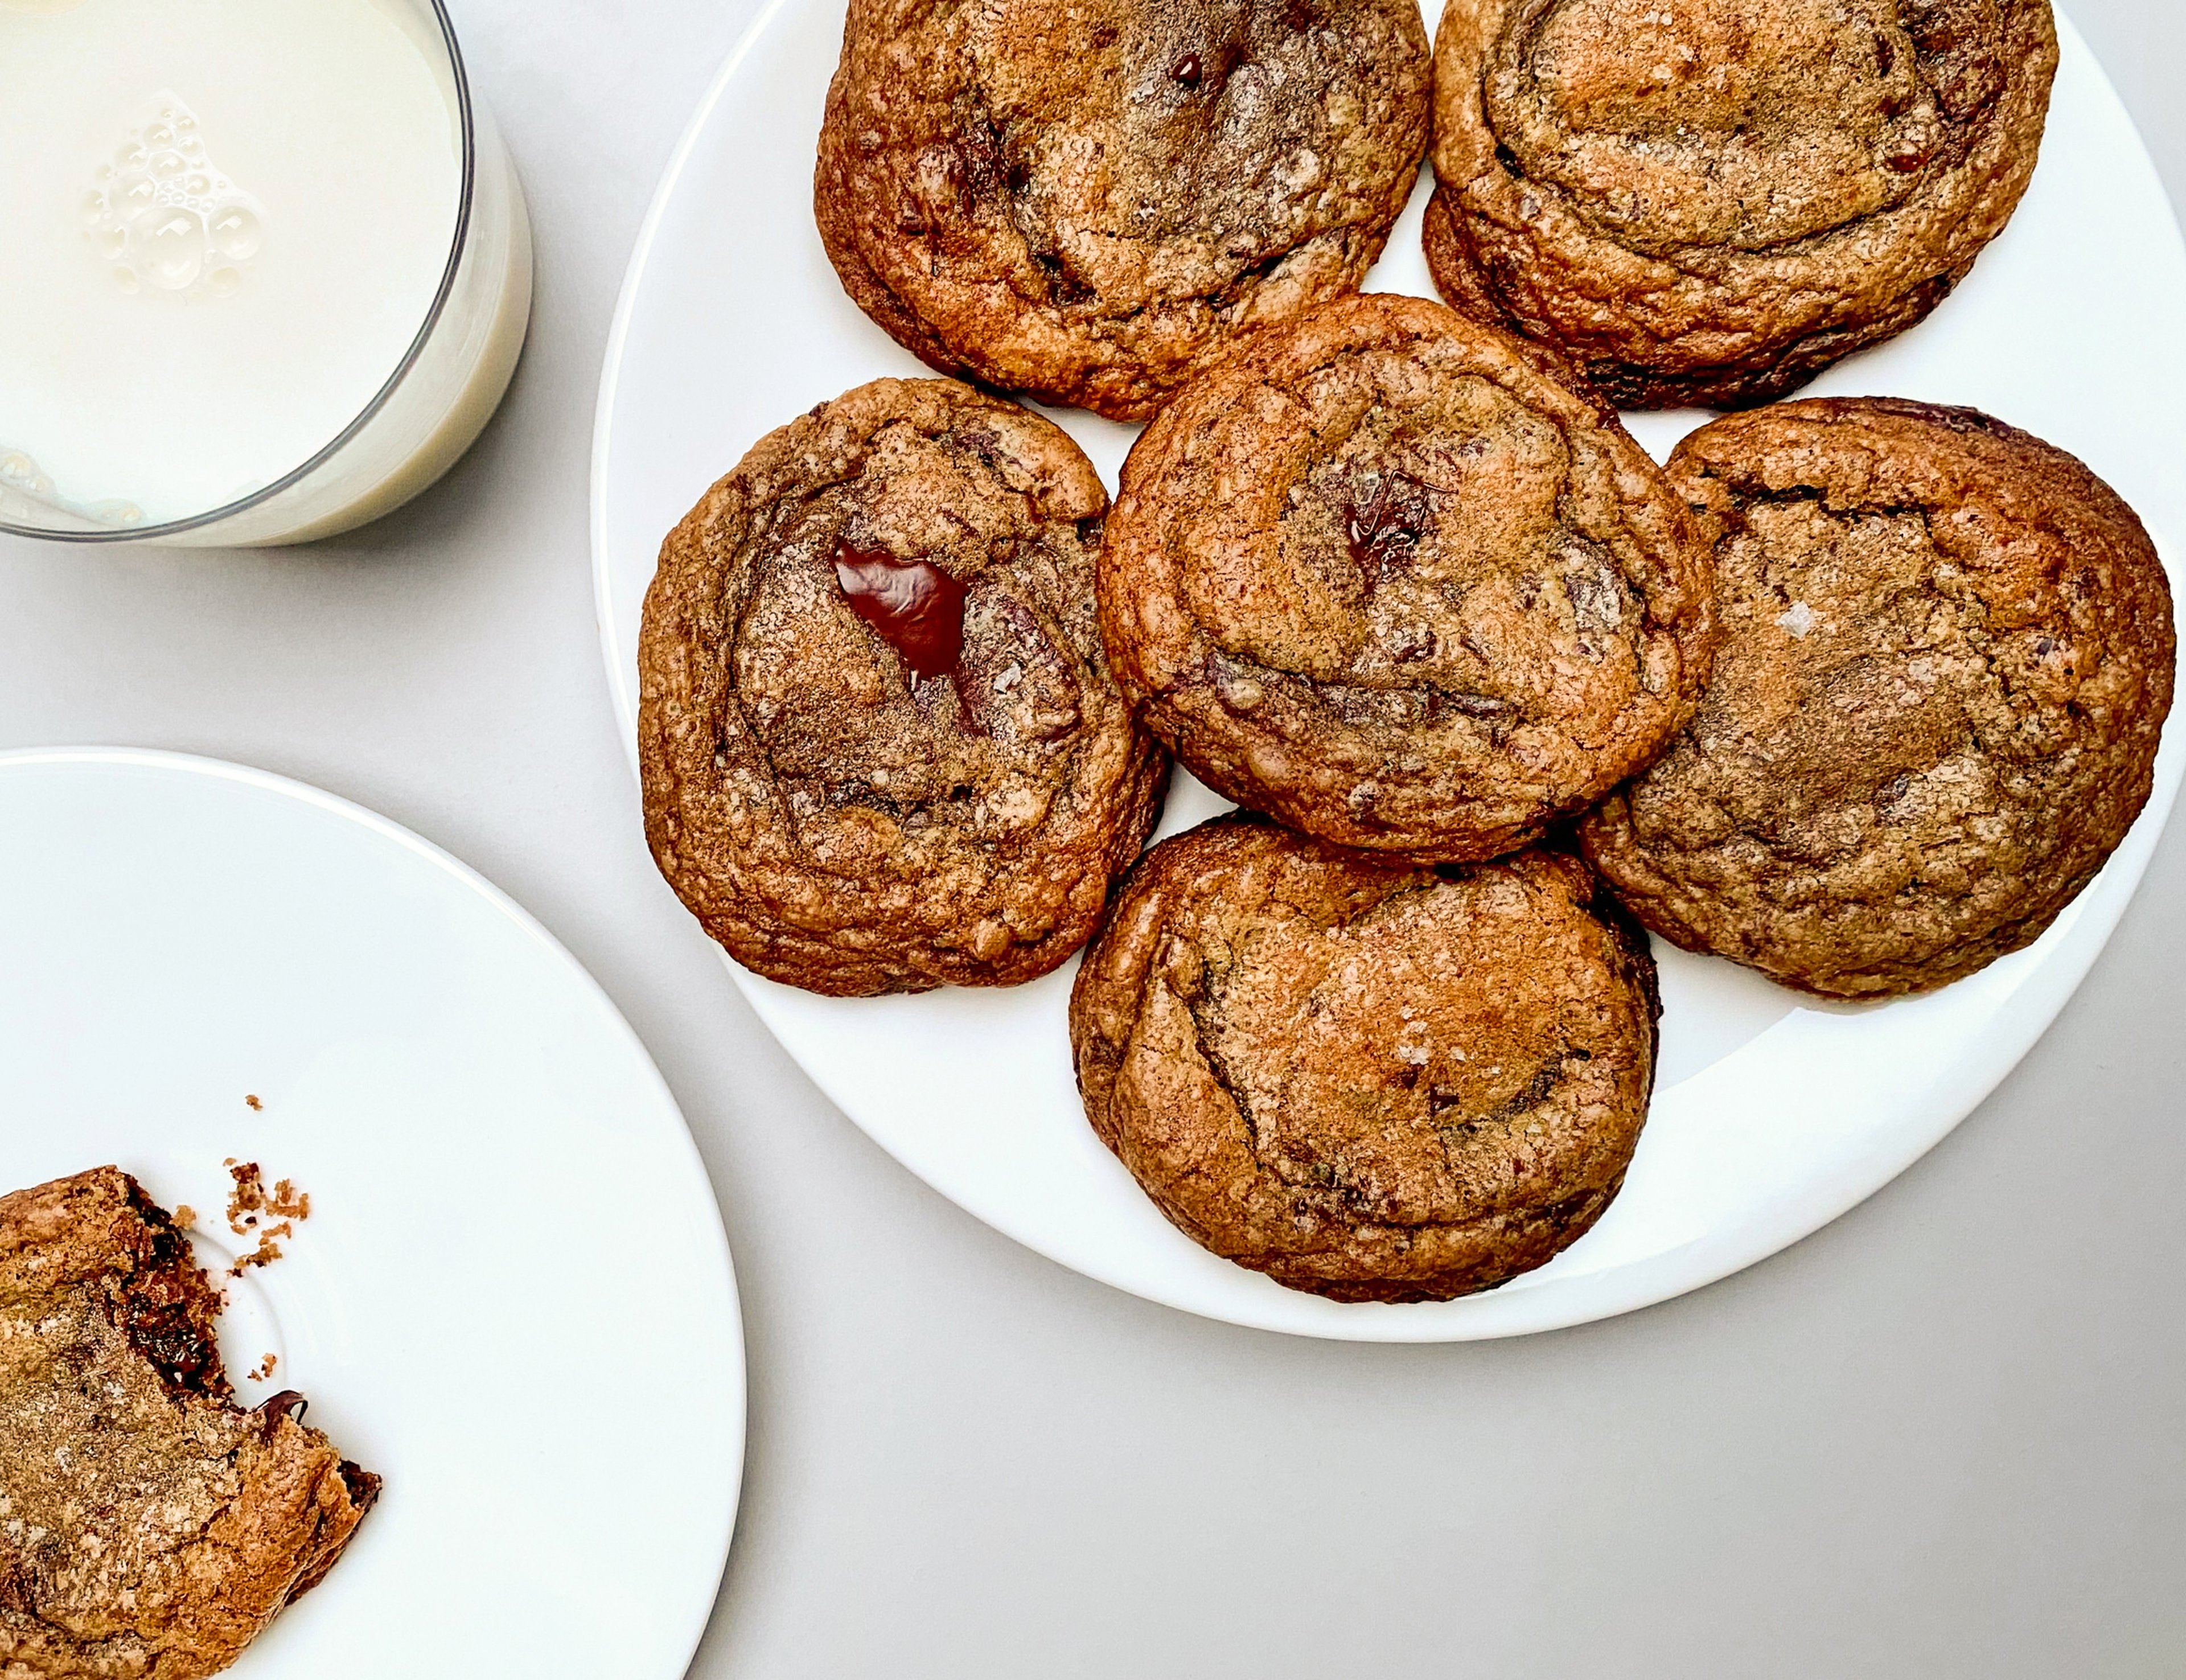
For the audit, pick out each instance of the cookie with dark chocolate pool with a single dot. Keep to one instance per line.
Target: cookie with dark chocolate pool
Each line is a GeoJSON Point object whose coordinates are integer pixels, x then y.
{"type": "Point", "coordinates": [1947, 659]}
{"type": "Point", "coordinates": [882, 751]}
{"type": "Point", "coordinates": [1395, 579]}
{"type": "Point", "coordinates": [1087, 202]}
{"type": "Point", "coordinates": [1370, 1081]}
{"type": "Point", "coordinates": [1709, 201]}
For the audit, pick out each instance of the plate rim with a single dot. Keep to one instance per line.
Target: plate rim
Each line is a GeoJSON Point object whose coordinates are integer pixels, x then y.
{"type": "Point", "coordinates": [1650, 1282]}
{"type": "Point", "coordinates": [202, 767]}
{"type": "Point", "coordinates": [656, 211]}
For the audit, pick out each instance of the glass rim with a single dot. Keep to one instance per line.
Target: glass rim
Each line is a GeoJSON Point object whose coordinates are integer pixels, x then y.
{"type": "Point", "coordinates": [458, 247]}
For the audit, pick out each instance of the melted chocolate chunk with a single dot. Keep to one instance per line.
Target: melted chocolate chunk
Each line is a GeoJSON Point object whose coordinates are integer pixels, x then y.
{"type": "Point", "coordinates": [1410, 645]}
{"type": "Point", "coordinates": [288, 1403]}
{"type": "Point", "coordinates": [1385, 526]}
{"type": "Point", "coordinates": [364, 1487]}
{"type": "Point", "coordinates": [158, 1318]}
{"type": "Point", "coordinates": [1185, 72]}
{"type": "Point", "coordinates": [18, 1590]}
{"type": "Point", "coordinates": [983, 166]}
{"type": "Point", "coordinates": [1476, 705]}
{"type": "Point", "coordinates": [913, 605]}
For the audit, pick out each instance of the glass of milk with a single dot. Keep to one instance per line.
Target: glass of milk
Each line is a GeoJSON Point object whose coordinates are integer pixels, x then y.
{"type": "Point", "coordinates": [266, 270]}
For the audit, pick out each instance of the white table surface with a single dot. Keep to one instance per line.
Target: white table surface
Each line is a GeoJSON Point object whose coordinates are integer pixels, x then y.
{"type": "Point", "coordinates": [1945, 1437]}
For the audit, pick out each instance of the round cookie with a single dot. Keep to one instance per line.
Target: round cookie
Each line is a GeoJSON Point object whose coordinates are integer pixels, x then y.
{"type": "Point", "coordinates": [1087, 202]}
{"type": "Point", "coordinates": [1370, 1081]}
{"type": "Point", "coordinates": [1707, 202]}
{"type": "Point", "coordinates": [1388, 577]}
{"type": "Point", "coordinates": [1946, 659]}
{"type": "Point", "coordinates": [881, 749]}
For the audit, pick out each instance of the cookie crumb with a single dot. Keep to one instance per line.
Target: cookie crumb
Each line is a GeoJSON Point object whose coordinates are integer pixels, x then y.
{"type": "Point", "coordinates": [253, 1104]}
{"type": "Point", "coordinates": [267, 1251]}
{"type": "Point", "coordinates": [247, 1195]}
{"type": "Point", "coordinates": [263, 1370]}
{"type": "Point", "coordinates": [284, 1203]}
{"type": "Point", "coordinates": [186, 1216]}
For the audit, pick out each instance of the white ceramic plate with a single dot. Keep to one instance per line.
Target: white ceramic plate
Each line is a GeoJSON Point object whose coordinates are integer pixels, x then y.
{"type": "Point", "coordinates": [512, 1298]}
{"type": "Point", "coordinates": [1773, 1116]}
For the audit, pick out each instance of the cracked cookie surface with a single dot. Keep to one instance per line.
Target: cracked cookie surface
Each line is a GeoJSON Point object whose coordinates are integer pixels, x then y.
{"type": "Point", "coordinates": [882, 751]}
{"type": "Point", "coordinates": [1707, 202]}
{"type": "Point", "coordinates": [1388, 577]}
{"type": "Point", "coordinates": [1946, 659]}
{"type": "Point", "coordinates": [149, 1529]}
{"type": "Point", "coordinates": [1372, 1082]}
{"type": "Point", "coordinates": [1085, 203]}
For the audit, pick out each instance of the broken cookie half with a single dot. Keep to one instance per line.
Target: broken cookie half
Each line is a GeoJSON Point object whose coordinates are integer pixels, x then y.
{"type": "Point", "coordinates": [149, 1525]}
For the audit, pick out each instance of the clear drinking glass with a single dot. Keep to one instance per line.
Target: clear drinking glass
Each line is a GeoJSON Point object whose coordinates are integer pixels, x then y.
{"type": "Point", "coordinates": [435, 401]}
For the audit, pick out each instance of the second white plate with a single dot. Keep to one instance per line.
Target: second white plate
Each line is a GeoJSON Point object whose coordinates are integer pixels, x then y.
{"type": "Point", "coordinates": [1773, 1116]}
{"type": "Point", "coordinates": [512, 1298]}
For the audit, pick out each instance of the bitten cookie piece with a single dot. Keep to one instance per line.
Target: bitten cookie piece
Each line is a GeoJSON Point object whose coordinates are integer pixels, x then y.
{"type": "Point", "coordinates": [882, 750]}
{"type": "Point", "coordinates": [1709, 201]}
{"type": "Point", "coordinates": [1085, 202]}
{"type": "Point", "coordinates": [149, 1527]}
{"type": "Point", "coordinates": [1371, 1081]}
{"type": "Point", "coordinates": [1388, 577]}
{"type": "Point", "coordinates": [1947, 659]}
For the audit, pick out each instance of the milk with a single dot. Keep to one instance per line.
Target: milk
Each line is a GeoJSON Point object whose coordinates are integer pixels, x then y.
{"type": "Point", "coordinates": [226, 222]}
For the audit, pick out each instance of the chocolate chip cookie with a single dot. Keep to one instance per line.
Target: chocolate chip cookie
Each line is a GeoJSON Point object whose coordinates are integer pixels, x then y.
{"type": "Point", "coordinates": [1370, 1081]}
{"type": "Point", "coordinates": [149, 1525]}
{"type": "Point", "coordinates": [1946, 659]}
{"type": "Point", "coordinates": [882, 750]}
{"type": "Point", "coordinates": [1087, 202]}
{"type": "Point", "coordinates": [1709, 201]}
{"type": "Point", "coordinates": [1389, 577]}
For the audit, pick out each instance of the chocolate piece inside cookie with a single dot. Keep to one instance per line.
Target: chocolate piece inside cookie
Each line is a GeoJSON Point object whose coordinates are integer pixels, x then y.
{"type": "Point", "coordinates": [148, 1525]}
{"type": "Point", "coordinates": [1387, 577]}
{"type": "Point", "coordinates": [1087, 202]}
{"type": "Point", "coordinates": [1710, 201]}
{"type": "Point", "coordinates": [1947, 659]}
{"type": "Point", "coordinates": [1372, 1082]}
{"type": "Point", "coordinates": [882, 750]}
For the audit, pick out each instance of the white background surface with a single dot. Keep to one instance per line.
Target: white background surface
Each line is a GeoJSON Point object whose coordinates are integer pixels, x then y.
{"type": "Point", "coordinates": [1941, 1438]}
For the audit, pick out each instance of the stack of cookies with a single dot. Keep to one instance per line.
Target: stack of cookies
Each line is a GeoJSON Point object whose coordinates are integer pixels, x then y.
{"type": "Point", "coordinates": [1858, 693]}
